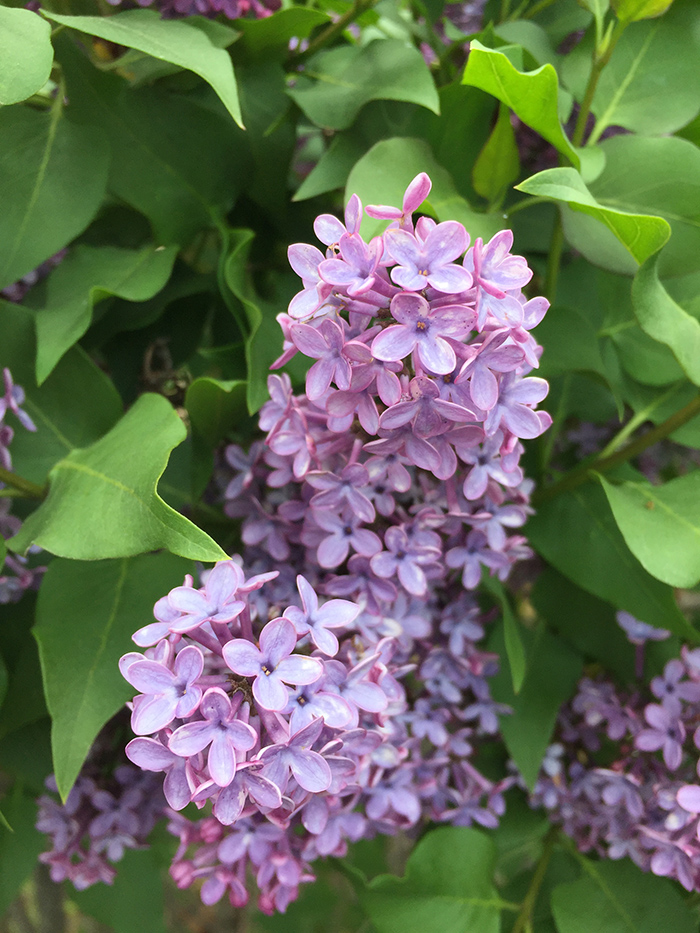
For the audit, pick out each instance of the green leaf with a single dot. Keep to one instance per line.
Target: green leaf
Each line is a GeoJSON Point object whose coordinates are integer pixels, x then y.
{"type": "Point", "coordinates": [103, 501]}
{"type": "Point", "coordinates": [447, 886]}
{"type": "Point", "coordinates": [532, 95]}
{"type": "Point", "coordinates": [270, 134]}
{"type": "Point", "coordinates": [383, 174]}
{"type": "Point", "coordinates": [644, 176]}
{"type": "Point", "coordinates": [498, 164]}
{"type": "Point", "coordinates": [264, 340]}
{"type": "Point", "coordinates": [631, 11]}
{"type": "Point", "coordinates": [20, 849]}
{"type": "Point", "coordinates": [268, 38]}
{"type": "Point", "coordinates": [348, 77]}
{"type": "Point", "coordinates": [571, 343]}
{"type": "Point", "coordinates": [4, 823]}
{"type": "Point", "coordinates": [586, 622]}
{"type": "Point", "coordinates": [24, 702]}
{"type": "Point", "coordinates": [664, 320]}
{"type": "Point", "coordinates": [552, 674]}
{"type": "Point", "coordinates": [26, 751]}
{"type": "Point", "coordinates": [333, 168]}
{"type": "Point", "coordinates": [134, 900]}
{"type": "Point", "coordinates": [88, 275]}
{"type": "Point", "coordinates": [661, 525]}
{"type": "Point", "coordinates": [533, 38]}
{"type": "Point", "coordinates": [3, 667]}
{"type": "Point", "coordinates": [460, 133]}
{"type": "Point", "coordinates": [26, 54]}
{"type": "Point", "coordinates": [53, 175]}
{"type": "Point", "coordinates": [650, 85]}
{"type": "Point", "coordinates": [86, 614]}
{"type": "Point", "coordinates": [594, 555]}
{"type": "Point", "coordinates": [617, 897]}
{"type": "Point", "coordinates": [642, 235]}
{"type": "Point", "coordinates": [74, 407]}
{"type": "Point", "coordinates": [513, 642]}
{"type": "Point", "coordinates": [215, 407]}
{"type": "Point", "coordinates": [179, 163]}
{"type": "Point", "coordinates": [170, 40]}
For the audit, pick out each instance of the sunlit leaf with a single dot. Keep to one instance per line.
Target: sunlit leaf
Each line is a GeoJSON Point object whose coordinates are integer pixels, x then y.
{"type": "Point", "coordinates": [26, 54]}
{"type": "Point", "coordinates": [103, 501]}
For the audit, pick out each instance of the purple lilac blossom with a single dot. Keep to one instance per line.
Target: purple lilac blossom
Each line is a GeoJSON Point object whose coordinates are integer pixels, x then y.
{"type": "Point", "coordinates": [16, 572]}
{"type": "Point", "coordinates": [344, 695]}
{"type": "Point", "coordinates": [98, 822]}
{"type": "Point", "coordinates": [644, 803]}
{"type": "Point", "coordinates": [231, 9]}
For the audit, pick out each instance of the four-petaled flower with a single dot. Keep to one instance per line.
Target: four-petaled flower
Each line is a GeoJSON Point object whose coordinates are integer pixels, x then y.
{"type": "Point", "coordinates": [221, 729]}
{"type": "Point", "coordinates": [424, 330]}
{"type": "Point", "coordinates": [166, 694]}
{"type": "Point", "coordinates": [272, 664]}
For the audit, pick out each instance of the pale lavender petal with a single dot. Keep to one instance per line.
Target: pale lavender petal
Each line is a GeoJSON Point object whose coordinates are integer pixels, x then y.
{"type": "Point", "coordinates": [484, 388]}
{"type": "Point", "coordinates": [263, 791]}
{"type": "Point", "coordinates": [450, 279]}
{"type": "Point", "coordinates": [689, 798]}
{"type": "Point", "coordinates": [189, 664]}
{"type": "Point", "coordinates": [191, 738]}
{"type": "Point", "coordinates": [394, 343]}
{"type": "Point", "coordinates": [270, 693]}
{"type": "Point", "coordinates": [242, 657]}
{"type": "Point", "coordinates": [332, 551]}
{"type": "Point", "coordinates": [153, 714]}
{"type": "Point", "coordinates": [150, 754]}
{"type": "Point", "coordinates": [277, 640]}
{"type": "Point", "coordinates": [229, 803]}
{"type": "Point", "coordinates": [368, 696]}
{"type": "Point", "coordinates": [176, 788]}
{"type": "Point", "coordinates": [299, 670]}
{"type": "Point", "coordinates": [649, 740]}
{"type": "Point", "coordinates": [522, 422]}
{"type": "Point", "coordinates": [436, 355]}
{"type": "Point", "coordinates": [222, 759]}
{"type": "Point", "coordinates": [311, 771]}
{"type": "Point", "coordinates": [150, 677]}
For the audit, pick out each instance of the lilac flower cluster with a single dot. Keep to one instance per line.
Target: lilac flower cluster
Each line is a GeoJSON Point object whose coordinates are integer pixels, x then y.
{"type": "Point", "coordinates": [15, 575]}
{"type": "Point", "coordinates": [231, 9]}
{"type": "Point", "coordinates": [91, 831]}
{"type": "Point", "coordinates": [623, 778]}
{"type": "Point", "coordinates": [340, 691]}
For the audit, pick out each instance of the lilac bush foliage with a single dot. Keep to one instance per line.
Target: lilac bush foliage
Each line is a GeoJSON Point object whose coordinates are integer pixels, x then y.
{"type": "Point", "coordinates": [341, 694]}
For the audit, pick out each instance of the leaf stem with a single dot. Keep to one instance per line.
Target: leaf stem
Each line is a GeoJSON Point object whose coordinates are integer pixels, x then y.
{"type": "Point", "coordinates": [582, 473]}
{"type": "Point", "coordinates": [523, 922]}
{"type": "Point", "coordinates": [537, 8]}
{"type": "Point", "coordinates": [628, 429]}
{"type": "Point", "coordinates": [556, 248]}
{"type": "Point", "coordinates": [601, 57]}
{"type": "Point", "coordinates": [334, 29]}
{"type": "Point", "coordinates": [28, 489]}
{"type": "Point", "coordinates": [524, 203]}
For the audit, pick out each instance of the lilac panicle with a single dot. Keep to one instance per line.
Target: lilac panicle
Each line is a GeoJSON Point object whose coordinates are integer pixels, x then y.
{"type": "Point", "coordinates": [344, 693]}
